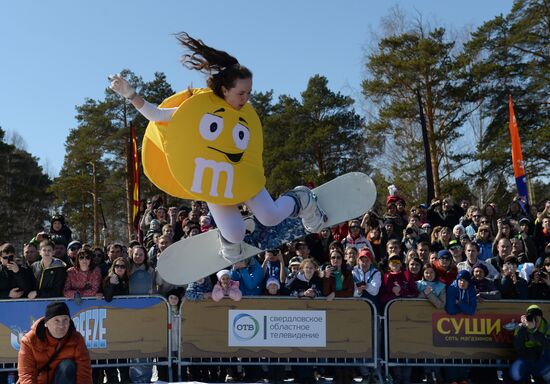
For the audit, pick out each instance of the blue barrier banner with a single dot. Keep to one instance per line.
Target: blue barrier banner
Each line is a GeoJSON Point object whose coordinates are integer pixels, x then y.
{"type": "Point", "coordinates": [128, 327]}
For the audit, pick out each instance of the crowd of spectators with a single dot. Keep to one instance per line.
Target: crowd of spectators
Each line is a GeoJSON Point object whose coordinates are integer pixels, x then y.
{"type": "Point", "coordinates": [454, 255]}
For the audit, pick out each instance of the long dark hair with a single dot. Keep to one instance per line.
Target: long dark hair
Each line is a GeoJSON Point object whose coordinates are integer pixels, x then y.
{"type": "Point", "coordinates": [222, 68]}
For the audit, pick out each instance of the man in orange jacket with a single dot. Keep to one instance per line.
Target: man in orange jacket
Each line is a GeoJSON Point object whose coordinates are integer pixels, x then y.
{"type": "Point", "coordinates": [53, 351]}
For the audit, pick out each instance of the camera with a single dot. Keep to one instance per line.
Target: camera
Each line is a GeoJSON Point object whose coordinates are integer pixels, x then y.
{"type": "Point", "coordinates": [530, 317]}
{"type": "Point", "coordinates": [10, 259]}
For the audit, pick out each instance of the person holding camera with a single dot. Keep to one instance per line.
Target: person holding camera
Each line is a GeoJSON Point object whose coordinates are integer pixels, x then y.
{"type": "Point", "coordinates": [337, 279]}
{"type": "Point", "coordinates": [512, 285]}
{"type": "Point", "coordinates": [539, 286]}
{"type": "Point", "coordinates": [532, 344]}
{"type": "Point", "coordinates": [16, 280]}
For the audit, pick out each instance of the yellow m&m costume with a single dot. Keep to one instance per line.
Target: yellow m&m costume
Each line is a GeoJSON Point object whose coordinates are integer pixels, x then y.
{"type": "Point", "coordinates": [197, 146]}
{"type": "Point", "coordinates": [207, 150]}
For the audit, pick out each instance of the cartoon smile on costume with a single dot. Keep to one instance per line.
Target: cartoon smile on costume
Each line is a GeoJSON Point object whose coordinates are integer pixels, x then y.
{"type": "Point", "coordinates": [207, 151]}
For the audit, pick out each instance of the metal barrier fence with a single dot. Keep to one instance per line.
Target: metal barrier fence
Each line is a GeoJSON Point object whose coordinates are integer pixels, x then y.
{"type": "Point", "coordinates": [129, 331]}
{"type": "Point", "coordinates": [137, 330]}
{"type": "Point", "coordinates": [280, 331]}
{"type": "Point", "coordinates": [418, 334]}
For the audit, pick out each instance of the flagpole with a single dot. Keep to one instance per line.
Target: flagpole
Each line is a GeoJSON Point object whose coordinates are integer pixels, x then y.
{"type": "Point", "coordinates": [517, 157]}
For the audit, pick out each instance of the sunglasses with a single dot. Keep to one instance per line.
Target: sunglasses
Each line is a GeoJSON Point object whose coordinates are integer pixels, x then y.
{"type": "Point", "coordinates": [395, 262]}
{"type": "Point", "coordinates": [9, 257]}
{"type": "Point", "coordinates": [121, 266]}
{"type": "Point", "coordinates": [84, 257]}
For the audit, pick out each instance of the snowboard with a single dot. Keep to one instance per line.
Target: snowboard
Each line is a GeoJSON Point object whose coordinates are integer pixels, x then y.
{"type": "Point", "coordinates": [343, 198]}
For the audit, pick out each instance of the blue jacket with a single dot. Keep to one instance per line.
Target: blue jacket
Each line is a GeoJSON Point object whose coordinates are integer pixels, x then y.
{"type": "Point", "coordinates": [461, 300]}
{"type": "Point", "coordinates": [250, 278]}
{"type": "Point", "coordinates": [485, 250]}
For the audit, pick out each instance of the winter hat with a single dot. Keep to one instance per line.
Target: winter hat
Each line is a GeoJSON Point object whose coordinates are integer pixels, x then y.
{"type": "Point", "coordinates": [57, 308]}
{"type": "Point", "coordinates": [444, 254]}
{"type": "Point", "coordinates": [459, 227]}
{"type": "Point", "coordinates": [464, 274]}
{"type": "Point", "coordinates": [273, 280]}
{"type": "Point", "coordinates": [74, 242]}
{"type": "Point", "coordinates": [223, 272]}
{"type": "Point", "coordinates": [59, 218]}
{"type": "Point", "coordinates": [296, 260]}
{"type": "Point", "coordinates": [365, 252]}
{"type": "Point", "coordinates": [524, 220]}
{"type": "Point", "coordinates": [534, 310]}
{"type": "Point", "coordinates": [481, 266]}
{"type": "Point", "coordinates": [454, 244]}
{"type": "Point", "coordinates": [394, 257]}
{"type": "Point", "coordinates": [393, 197]}
{"type": "Point", "coordinates": [174, 292]}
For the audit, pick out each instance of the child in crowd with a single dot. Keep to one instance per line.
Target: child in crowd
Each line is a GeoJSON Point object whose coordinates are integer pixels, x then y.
{"type": "Point", "coordinates": [225, 287]}
{"type": "Point", "coordinates": [431, 288]}
{"type": "Point", "coordinates": [199, 290]}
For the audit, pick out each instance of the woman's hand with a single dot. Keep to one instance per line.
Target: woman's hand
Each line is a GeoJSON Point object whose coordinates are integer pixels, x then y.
{"type": "Point", "coordinates": [121, 86]}
{"type": "Point", "coordinates": [113, 279]}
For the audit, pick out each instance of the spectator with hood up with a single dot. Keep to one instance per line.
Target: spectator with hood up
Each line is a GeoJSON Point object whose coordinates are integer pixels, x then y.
{"type": "Point", "coordinates": [58, 227]}
{"type": "Point", "coordinates": [461, 295]}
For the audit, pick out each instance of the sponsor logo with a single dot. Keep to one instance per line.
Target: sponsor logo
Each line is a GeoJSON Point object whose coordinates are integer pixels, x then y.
{"type": "Point", "coordinates": [245, 327]}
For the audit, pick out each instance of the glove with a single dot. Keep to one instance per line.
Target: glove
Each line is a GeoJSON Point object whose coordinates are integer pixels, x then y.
{"type": "Point", "coordinates": [121, 86]}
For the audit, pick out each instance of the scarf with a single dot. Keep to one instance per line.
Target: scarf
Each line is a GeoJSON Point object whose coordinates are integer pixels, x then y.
{"type": "Point", "coordinates": [437, 286]}
{"type": "Point", "coordinates": [339, 279]}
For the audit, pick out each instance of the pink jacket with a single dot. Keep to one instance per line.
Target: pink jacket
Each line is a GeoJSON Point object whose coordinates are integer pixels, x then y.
{"type": "Point", "coordinates": [233, 292]}
{"type": "Point", "coordinates": [87, 283]}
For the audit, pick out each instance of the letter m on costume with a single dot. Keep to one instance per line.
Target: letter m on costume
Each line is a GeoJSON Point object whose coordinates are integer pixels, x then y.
{"type": "Point", "coordinates": [517, 157]}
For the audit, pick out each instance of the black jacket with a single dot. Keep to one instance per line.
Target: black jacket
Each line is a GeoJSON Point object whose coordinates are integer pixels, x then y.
{"type": "Point", "coordinates": [23, 279]}
{"type": "Point", "coordinates": [50, 281]}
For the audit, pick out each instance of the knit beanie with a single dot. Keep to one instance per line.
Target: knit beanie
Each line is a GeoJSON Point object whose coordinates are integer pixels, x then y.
{"type": "Point", "coordinates": [56, 308]}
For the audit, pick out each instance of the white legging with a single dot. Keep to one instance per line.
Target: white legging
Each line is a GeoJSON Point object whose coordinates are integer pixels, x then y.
{"type": "Point", "coordinates": [230, 222]}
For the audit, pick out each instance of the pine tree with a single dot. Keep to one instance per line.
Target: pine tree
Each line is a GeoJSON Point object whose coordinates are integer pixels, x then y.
{"type": "Point", "coordinates": [24, 197]}
{"type": "Point", "coordinates": [417, 61]}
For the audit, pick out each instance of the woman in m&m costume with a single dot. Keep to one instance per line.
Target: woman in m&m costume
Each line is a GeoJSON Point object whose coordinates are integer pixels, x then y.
{"type": "Point", "coordinates": [206, 144]}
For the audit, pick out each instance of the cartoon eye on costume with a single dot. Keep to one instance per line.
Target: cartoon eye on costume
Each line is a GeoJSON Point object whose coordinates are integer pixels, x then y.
{"type": "Point", "coordinates": [241, 136]}
{"type": "Point", "coordinates": [210, 126]}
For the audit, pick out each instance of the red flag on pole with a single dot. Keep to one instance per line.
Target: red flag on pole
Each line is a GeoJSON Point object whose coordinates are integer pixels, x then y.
{"type": "Point", "coordinates": [517, 157]}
